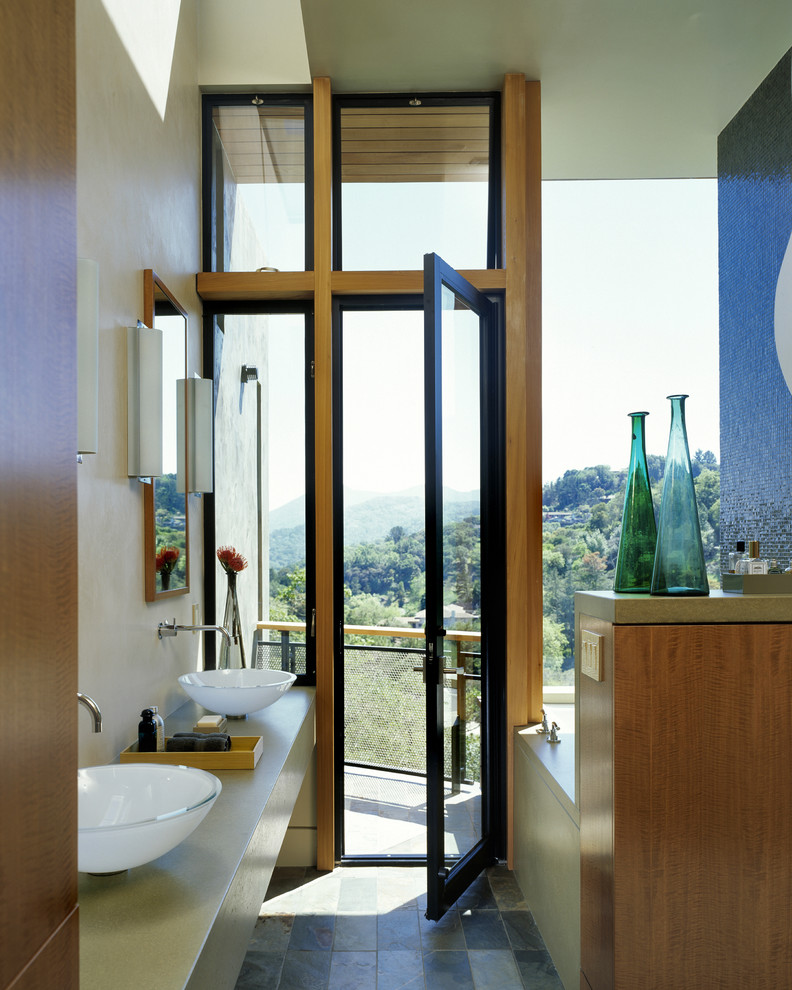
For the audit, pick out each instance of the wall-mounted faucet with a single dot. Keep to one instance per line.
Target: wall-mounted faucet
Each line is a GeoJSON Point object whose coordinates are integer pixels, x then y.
{"type": "Point", "coordinates": [170, 629]}
{"type": "Point", "coordinates": [93, 708]}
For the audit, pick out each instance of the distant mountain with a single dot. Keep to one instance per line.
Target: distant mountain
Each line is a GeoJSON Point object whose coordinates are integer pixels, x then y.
{"type": "Point", "coordinates": [369, 517]}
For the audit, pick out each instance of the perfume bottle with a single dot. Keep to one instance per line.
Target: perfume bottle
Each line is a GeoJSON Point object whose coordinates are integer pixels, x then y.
{"type": "Point", "coordinates": [754, 564]}
{"type": "Point", "coordinates": [736, 556]}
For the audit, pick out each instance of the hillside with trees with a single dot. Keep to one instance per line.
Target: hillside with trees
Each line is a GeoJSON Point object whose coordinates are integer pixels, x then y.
{"type": "Point", "coordinates": [581, 527]}
{"type": "Point", "coordinates": [384, 578]}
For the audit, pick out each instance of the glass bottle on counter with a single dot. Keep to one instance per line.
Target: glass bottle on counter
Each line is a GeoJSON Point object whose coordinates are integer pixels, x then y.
{"type": "Point", "coordinates": [639, 530]}
{"type": "Point", "coordinates": [679, 567]}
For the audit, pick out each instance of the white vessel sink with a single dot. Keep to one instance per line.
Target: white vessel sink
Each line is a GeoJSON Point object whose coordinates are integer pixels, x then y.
{"type": "Point", "coordinates": [237, 692]}
{"type": "Point", "coordinates": [131, 813]}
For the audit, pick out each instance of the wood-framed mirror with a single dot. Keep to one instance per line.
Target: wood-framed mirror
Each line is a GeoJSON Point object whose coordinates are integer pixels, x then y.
{"type": "Point", "coordinates": [165, 516]}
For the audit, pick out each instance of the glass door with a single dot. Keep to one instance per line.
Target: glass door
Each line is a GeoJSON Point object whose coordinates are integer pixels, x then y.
{"type": "Point", "coordinates": [461, 581]}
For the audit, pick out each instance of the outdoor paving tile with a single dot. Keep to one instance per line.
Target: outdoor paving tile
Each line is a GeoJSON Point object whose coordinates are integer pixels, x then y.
{"type": "Point", "coordinates": [537, 969]}
{"type": "Point", "coordinates": [484, 930]}
{"type": "Point", "coordinates": [447, 970]}
{"type": "Point", "coordinates": [312, 932]}
{"type": "Point", "coordinates": [400, 969]}
{"type": "Point", "coordinates": [305, 971]}
{"type": "Point", "coordinates": [494, 969]}
{"type": "Point", "coordinates": [355, 932]}
{"type": "Point", "coordinates": [353, 971]}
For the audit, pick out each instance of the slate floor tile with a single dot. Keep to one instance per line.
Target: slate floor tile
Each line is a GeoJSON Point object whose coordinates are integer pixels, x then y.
{"type": "Point", "coordinates": [447, 970]}
{"type": "Point", "coordinates": [400, 969]}
{"type": "Point", "coordinates": [305, 970]}
{"type": "Point", "coordinates": [353, 971]}
{"type": "Point", "coordinates": [312, 932]}
{"type": "Point", "coordinates": [484, 930]}
{"type": "Point", "coordinates": [494, 969]}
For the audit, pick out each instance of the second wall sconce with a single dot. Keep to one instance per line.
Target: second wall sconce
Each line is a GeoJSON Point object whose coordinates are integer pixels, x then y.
{"type": "Point", "coordinates": [195, 434]}
{"type": "Point", "coordinates": [144, 402]}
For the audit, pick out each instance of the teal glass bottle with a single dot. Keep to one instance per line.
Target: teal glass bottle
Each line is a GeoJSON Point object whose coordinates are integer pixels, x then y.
{"type": "Point", "coordinates": [638, 531]}
{"type": "Point", "coordinates": [679, 567]}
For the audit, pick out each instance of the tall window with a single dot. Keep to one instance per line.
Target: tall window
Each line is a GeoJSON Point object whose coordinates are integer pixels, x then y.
{"type": "Point", "coordinates": [257, 166]}
{"type": "Point", "coordinates": [415, 175]}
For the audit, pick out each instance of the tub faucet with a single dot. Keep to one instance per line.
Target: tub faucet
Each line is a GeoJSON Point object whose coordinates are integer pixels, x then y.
{"type": "Point", "coordinates": [93, 708]}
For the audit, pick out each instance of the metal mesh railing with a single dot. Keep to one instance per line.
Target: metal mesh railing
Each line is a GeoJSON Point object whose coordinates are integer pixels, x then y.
{"type": "Point", "coordinates": [384, 718]}
{"type": "Point", "coordinates": [385, 697]}
{"type": "Point", "coordinates": [283, 654]}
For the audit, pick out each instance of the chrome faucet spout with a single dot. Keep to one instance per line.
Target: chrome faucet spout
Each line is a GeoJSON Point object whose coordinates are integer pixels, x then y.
{"type": "Point", "coordinates": [170, 629]}
{"type": "Point", "coordinates": [93, 708]}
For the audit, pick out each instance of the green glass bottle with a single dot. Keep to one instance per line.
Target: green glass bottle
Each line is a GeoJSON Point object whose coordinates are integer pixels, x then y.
{"type": "Point", "coordinates": [679, 567]}
{"type": "Point", "coordinates": [638, 531]}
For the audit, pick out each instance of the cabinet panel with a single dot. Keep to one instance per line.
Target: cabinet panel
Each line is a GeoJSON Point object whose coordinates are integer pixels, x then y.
{"type": "Point", "coordinates": [702, 795]}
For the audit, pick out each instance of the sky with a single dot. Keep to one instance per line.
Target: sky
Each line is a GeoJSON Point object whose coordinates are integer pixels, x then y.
{"type": "Point", "coordinates": [630, 316]}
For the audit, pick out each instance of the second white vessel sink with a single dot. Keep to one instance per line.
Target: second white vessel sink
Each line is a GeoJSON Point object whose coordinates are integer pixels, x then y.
{"type": "Point", "coordinates": [237, 692]}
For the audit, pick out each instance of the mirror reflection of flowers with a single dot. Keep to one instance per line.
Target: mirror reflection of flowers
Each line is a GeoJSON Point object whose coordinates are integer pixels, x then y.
{"type": "Point", "coordinates": [166, 561]}
{"type": "Point", "coordinates": [232, 563]}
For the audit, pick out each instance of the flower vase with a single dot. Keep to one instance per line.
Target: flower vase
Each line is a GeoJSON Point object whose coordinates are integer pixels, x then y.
{"type": "Point", "coordinates": [638, 538]}
{"type": "Point", "coordinates": [679, 567]}
{"type": "Point", "coordinates": [165, 580]}
{"type": "Point", "coordinates": [232, 655]}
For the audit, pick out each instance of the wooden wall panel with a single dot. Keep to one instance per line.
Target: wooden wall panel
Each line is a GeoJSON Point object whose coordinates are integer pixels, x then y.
{"type": "Point", "coordinates": [38, 544]}
{"type": "Point", "coordinates": [323, 330]}
{"type": "Point", "coordinates": [522, 261]}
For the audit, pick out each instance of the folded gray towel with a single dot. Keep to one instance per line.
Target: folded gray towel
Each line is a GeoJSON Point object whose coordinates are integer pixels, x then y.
{"type": "Point", "coordinates": [198, 742]}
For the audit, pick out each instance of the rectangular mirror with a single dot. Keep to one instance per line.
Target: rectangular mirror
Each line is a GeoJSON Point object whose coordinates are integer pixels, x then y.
{"type": "Point", "coordinates": [166, 542]}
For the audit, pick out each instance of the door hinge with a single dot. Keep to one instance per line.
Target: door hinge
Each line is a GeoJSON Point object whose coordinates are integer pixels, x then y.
{"type": "Point", "coordinates": [313, 622]}
{"type": "Point", "coordinates": [313, 369]}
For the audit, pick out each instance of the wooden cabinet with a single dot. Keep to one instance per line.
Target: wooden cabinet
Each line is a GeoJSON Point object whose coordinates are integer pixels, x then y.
{"type": "Point", "coordinates": [685, 767]}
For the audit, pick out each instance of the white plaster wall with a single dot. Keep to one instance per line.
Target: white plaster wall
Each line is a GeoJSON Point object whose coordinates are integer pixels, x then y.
{"type": "Point", "coordinates": [138, 197]}
{"type": "Point", "coordinates": [238, 438]}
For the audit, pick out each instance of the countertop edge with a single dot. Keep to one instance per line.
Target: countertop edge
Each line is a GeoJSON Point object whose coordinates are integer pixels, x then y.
{"type": "Point", "coordinates": [718, 607]}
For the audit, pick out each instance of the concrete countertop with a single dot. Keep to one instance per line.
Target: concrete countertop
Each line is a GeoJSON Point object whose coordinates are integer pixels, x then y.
{"type": "Point", "coordinates": [719, 606]}
{"type": "Point", "coordinates": [150, 926]}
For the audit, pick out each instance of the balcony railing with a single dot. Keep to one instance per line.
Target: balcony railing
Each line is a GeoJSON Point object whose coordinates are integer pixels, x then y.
{"type": "Point", "coordinates": [384, 717]}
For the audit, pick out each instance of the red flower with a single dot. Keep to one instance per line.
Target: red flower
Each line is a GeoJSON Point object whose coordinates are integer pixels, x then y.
{"type": "Point", "coordinates": [230, 560]}
{"type": "Point", "coordinates": [166, 558]}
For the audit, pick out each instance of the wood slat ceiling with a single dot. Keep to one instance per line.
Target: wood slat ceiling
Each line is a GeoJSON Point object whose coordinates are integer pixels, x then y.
{"type": "Point", "coordinates": [378, 144]}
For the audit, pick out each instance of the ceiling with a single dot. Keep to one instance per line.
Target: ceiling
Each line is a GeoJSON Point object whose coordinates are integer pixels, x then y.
{"type": "Point", "coordinates": [630, 88]}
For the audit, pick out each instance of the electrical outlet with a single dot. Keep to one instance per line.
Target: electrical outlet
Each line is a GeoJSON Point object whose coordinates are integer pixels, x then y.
{"type": "Point", "coordinates": [196, 619]}
{"type": "Point", "coordinates": [591, 654]}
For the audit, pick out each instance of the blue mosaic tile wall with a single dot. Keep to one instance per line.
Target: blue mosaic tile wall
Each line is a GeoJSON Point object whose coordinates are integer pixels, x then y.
{"type": "Point", "coordinates": [755, 225]}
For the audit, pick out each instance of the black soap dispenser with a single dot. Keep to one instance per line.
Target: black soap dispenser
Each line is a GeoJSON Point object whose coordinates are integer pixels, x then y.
{"type": "Point", "coordinates": [147, 732]}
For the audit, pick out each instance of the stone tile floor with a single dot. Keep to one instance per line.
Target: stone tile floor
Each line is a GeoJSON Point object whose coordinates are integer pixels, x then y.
{"type": "Point", "coordinates": [363, 928]}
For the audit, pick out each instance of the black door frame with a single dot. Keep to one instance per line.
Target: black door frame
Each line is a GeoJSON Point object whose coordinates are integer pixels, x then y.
{"type": "Point", "coordinates": [493, 580]}
{"type": "Point", "coordinates": [445, 885]}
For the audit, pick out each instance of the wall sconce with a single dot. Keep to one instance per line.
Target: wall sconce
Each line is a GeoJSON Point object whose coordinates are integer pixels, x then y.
{"type": "Point", "coordinates": [195, 432]}
{"type": "Point", "coordinates": [144, 402]}
{"type": "Point", "coordinates": [87, 356]}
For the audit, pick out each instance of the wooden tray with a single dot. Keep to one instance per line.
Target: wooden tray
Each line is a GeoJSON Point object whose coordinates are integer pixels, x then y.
{"type": "Point", "coordinates": [244, 754]}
